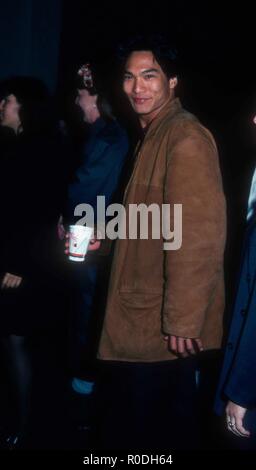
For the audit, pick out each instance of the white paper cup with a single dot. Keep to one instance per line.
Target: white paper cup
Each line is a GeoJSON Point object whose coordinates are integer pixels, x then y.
{"type": "Point", "coordinates": [79, 238]}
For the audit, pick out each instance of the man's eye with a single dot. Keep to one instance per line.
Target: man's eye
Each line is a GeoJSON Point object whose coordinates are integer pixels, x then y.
{"type": "Point", "coordinates": [149, 76]}
{"type": "Point", "coordinates": [127, 77]}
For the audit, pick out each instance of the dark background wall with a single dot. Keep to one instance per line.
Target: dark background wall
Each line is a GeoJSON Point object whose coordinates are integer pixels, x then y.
{"type": "Point", "coordinates": [30, 38]}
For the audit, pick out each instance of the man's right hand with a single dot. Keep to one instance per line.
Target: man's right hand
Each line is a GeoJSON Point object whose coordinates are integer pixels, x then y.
{"type": "Point", "coordinates": [184, 347]}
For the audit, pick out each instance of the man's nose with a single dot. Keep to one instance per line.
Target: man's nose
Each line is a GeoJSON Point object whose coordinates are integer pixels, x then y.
{"type": "Point", "coordinates": [138, 85]}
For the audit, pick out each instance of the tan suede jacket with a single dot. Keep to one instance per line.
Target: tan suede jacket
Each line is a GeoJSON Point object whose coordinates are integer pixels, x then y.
{"type": "Point", "coordinates": [178, 292]}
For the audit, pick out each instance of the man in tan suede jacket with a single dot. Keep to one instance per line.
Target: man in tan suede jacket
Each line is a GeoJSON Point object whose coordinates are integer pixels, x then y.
{"type": "Point", "coordinates": [164, 307]}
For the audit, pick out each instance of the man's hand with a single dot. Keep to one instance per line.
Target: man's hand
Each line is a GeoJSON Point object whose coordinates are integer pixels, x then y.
{"type": "Point", "coordinates": [183, 347]}
{"type": "Point", "coordinates": [234, 417]}
{"type": "Point", "coordinates": [11, 281]}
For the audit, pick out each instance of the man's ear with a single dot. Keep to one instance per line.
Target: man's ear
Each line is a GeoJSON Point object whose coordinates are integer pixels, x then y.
{"type": "Point", "coordinates": [173, 82]}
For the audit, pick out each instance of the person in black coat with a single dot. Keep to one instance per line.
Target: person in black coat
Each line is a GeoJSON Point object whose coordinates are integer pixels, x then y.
{"type": "Point", "coordinates": [31, 190]}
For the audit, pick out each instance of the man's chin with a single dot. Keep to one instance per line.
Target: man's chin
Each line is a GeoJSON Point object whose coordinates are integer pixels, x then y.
{"type": "Point", "coordinates": [141, 110]}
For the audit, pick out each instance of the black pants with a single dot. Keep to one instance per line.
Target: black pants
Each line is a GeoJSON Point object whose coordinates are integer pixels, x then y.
{"type": "Point", "coordinates": [144, 406]}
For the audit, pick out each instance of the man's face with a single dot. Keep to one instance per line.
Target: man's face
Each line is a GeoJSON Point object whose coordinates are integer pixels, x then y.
{"type": "Point", "coordinates": [146, 85]}
{"type": "Point", "coordinates": [87, 103]}
{"type": "Point", "coordinates": [9, 115]}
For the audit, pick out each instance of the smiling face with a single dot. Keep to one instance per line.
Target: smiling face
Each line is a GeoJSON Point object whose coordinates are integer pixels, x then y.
{"type": "Point", "coordinates": [146, 86]}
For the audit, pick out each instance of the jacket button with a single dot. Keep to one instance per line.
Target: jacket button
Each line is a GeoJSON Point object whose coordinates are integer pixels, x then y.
{"type": "Point", "coordinates": [243, 312]}
{"type": "Point", "coordinates": [230, 346]}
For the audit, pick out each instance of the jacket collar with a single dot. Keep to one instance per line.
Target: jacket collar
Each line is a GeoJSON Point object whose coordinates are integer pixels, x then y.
{"type": "Point", "coordinates": [170, 109]}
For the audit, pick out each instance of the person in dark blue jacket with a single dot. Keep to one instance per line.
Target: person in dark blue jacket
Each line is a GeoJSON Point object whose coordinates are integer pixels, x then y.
{"type": "Point", "coordinates": [99, 174]}
{"type": "Point", "coordinates": [236, 394]}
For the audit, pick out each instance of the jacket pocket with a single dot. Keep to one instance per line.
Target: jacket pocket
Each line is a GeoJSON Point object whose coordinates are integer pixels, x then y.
{"type": "Point", "coordinates": [141, 324]}
{"type": "Point", "coordinates": [141, 303]}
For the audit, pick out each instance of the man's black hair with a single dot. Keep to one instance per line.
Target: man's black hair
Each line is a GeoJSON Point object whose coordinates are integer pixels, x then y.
{"type": "Point", "coordinates": [165, 55]}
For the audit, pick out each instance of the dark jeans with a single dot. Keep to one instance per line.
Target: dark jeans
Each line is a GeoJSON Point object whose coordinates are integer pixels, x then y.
{"type": "Point", "coordinates": [144, 406]}
{"type": "Point", "coordinates": [88, 281]}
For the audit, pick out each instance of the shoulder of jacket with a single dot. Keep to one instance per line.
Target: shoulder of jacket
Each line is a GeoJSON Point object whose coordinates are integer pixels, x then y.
{"type": "Point", "coordinates": [185, 124]}
{"type": "Point", "coordinates": [182, 118]}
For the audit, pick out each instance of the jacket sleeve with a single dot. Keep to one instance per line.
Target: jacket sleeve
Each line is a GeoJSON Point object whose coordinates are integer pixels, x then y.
{"type": "Point", "coordinates": [193, 179]}
{"type": "Point", "coordinates": [99, 175]}
{"type": "Point", "coordinates": [240, 385]}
